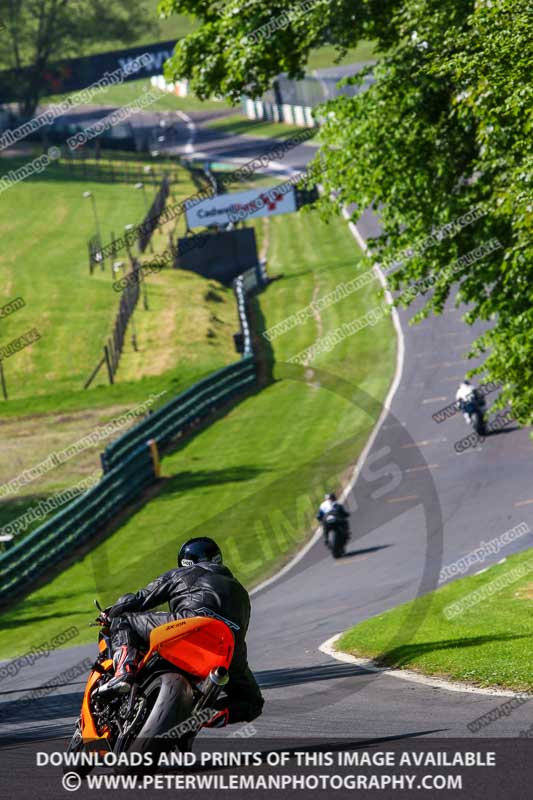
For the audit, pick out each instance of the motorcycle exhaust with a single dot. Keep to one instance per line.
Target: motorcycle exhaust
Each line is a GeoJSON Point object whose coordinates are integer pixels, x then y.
{"type": "Point", "coordinates": [219, 676]}
{"type": "Point", "coordinates": [216, 679]}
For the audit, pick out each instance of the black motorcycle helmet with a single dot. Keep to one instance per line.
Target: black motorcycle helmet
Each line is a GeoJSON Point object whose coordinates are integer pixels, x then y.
{"type": "Point", "coordinates": [200, 549]}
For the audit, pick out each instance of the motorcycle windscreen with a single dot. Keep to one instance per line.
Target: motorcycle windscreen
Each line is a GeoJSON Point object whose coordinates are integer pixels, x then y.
{"type": "Point", "coordinates": [196, 645]}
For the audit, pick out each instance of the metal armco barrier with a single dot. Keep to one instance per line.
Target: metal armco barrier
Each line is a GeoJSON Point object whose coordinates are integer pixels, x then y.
{"type": "Point", "coordinates": [176, 416]}
{"type": "Point", "coordinates": [130, 464]}
{"type": "Point", "coordinates": [77, 523]}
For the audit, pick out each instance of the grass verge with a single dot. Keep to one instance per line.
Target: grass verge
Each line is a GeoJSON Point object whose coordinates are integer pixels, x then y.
{"type": "Point", "coordinates": [240, 124]}
{"type": "Point", "coordinates": [488, 644]}
{"type": "Point", "coordinates": [130, 91]}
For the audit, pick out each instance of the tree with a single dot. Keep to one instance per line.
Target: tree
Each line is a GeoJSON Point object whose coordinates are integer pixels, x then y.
{"type": "Point", "coordinates": [34, 33]}
{"type": "Point", "coordinates": [442, 132]}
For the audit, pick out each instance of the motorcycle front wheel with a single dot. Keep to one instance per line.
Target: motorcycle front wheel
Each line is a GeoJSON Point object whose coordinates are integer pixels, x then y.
{"type": "Point", "coordinates": [337, 543]}
{"type": "Point", "coordinates": [76, 746]}
{"type": "Point", "coordinates": [478, 423]}
{"type": "Point", "coordinates": [169, 700]}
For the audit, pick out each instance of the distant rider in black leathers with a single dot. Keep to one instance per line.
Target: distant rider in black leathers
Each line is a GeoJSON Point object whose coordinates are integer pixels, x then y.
{"type": "Point", "coordinates": [200, 586]}
{"type": "Point", "coordinates": [328, 506]}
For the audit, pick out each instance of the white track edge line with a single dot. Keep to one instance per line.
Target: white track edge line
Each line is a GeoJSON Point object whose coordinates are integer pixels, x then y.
{"type": "Point", "coordinates": [400, 353]}
{"type": "Point", "coordinates": [328, 647]}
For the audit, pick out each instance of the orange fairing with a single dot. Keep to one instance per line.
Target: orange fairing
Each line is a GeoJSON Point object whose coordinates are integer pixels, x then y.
{"type": "Point", "coordinates": [88, 728]}
{"type": "Point", "coordinates": [196, 645]}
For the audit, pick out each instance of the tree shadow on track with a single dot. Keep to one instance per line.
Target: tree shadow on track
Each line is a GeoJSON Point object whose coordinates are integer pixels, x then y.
{"type": "Point", "coordinates": [403, 655]}
{"type": "Point", "coordinates": [276, 678]}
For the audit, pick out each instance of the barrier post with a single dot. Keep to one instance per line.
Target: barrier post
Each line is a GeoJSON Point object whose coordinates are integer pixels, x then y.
{"type": "Point", "coordinates": [154, 452]}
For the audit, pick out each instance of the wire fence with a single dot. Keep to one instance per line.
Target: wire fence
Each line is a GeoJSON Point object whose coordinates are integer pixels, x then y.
{"type": "Point", "coordinates": [153, 214]}
{"type": "Point", "coordinates": [115, 343]}
{"type": "Point", "coordinates": [114, 171]}
{"type": "Point", "coordinates": [144, 231]}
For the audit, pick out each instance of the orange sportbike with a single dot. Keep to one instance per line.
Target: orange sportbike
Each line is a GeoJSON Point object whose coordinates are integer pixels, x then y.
{"type": "Point", "coordinates": [179, 676]}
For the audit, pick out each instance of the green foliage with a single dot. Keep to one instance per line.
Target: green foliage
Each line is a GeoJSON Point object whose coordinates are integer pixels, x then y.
{"type": "Point", "coordinates": [444, 129]}
{"type": "Point", "coordinates": [35, 31]}
{"type": "Point", "coordinates": [217, 57]}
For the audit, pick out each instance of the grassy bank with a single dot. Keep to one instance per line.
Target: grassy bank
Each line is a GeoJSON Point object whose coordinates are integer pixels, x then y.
{"type": "Point", "coordinates": [182, 333]}
{"type": "Point", "coordinates": [130, 91]}
{"type": "Point", "coordinates": [44, 261]}
{"type": "Point", "coordinates": [239, 124]}
{"type": "Point", "coordinates": [488, 644]}
{"type": "Point", "coordinates": [253, 478]}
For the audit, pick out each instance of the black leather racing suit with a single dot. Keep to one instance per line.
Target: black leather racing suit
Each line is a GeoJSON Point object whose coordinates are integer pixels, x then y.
{"type": "Point", "coordinates": [203, 589]}
{"type": "Point", "coordinates": [339, 511]}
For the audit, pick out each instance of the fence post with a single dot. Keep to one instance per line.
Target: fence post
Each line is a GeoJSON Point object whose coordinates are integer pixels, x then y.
{"type": "Point", "coordinates": [3, 379]}
{"type": "Point", "coordinates": [108, 362]}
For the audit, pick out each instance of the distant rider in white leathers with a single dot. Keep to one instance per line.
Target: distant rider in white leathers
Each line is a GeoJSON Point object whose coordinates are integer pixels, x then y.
{"type": "Point", "coordinates": [330, 504]}
{"type": "Point", "coordinates": [466, 393]}
{"type": "Point", "coordinates": [326, 506]}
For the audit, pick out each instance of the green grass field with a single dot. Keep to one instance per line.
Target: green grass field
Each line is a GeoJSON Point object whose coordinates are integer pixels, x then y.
{"type": "Point", "coordinates": [254, 477]}
{"type": "Point", "coordinates": [324, 57]}
{"type": "Point", "coordinates": [46, 263]}
{"type": "Point", "coordinates": [185, 334]}
{"type": "Point", "coordinates": [129, 92]}
{"type": "Point", "coordinates": [239, 124]}
{"type": "Point", "coordinates": [489, 644]}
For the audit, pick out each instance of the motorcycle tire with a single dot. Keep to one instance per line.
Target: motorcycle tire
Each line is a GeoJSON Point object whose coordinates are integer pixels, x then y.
{"type": "Point", "coordinates": [338, 541]}
{"type": "Point", "coordinates": [171, 699]}
{"type": "Point", "coordinates": [477, 423]}
{"type": "Point", "coordinates": [76, 746]}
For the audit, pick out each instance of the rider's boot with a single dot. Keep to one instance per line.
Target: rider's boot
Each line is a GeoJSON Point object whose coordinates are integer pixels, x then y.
{"type": "Point", "coordinates": [219, 720]}
{"type": "Point", "coordinates": [125, 661]}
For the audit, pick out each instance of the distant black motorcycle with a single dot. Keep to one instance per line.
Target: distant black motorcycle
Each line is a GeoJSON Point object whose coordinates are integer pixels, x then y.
{"type": "Point", "coordinates": [337, 533]}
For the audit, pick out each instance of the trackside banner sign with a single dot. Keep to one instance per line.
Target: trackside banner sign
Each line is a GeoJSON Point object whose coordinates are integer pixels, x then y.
{"type": "Point", "coordinates": [239, 206]}
{"type": "Point", "coordinates": [79, 73]}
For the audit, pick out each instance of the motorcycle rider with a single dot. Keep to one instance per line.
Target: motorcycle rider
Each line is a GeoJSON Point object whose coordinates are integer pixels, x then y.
{"type": "Point", "coordinates": [200, 586]}
{"type": "Point", "coordinates": [468, 393]}
{"type": "Point", "coordinates": [330, 505]}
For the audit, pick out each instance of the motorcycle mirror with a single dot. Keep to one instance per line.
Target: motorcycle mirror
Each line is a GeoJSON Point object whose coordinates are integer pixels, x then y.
{"type": "Point", "coordinates": [98, 606]}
